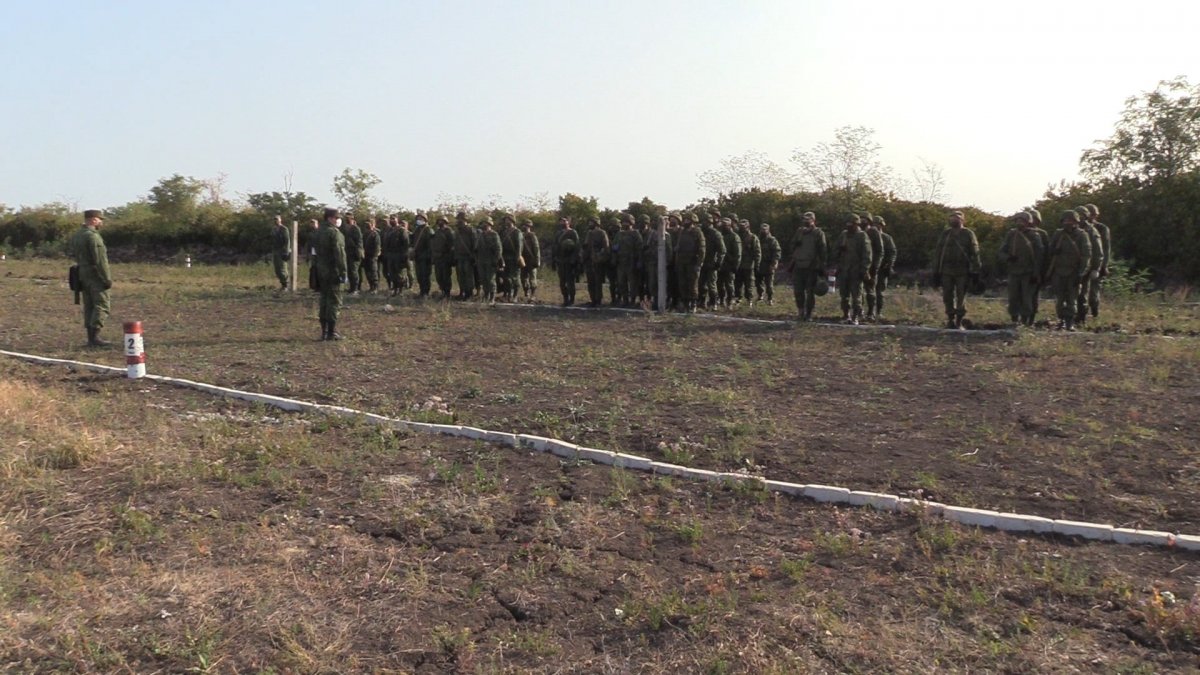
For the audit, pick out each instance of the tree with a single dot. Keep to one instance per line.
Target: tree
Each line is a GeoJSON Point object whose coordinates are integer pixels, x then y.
{"type": "Point", "coordinates": [646, 207]}
{"type": "Point", "coordinates": [747, 171]}
{"type": "Point", "coordinates": [848, 169]}
{"type": "Point", "coordinates": [175, 199]}
{"type": "Point", "coordinates": [929, 183]}
{"type": "Point", "coordinates": [577, 208]}
{"type": "Point", "coordinates": [1157, 137]}
{"type": "Point", "coordinates": [290, 205]}
{"type": "Point", "coordinates": [353, 188]}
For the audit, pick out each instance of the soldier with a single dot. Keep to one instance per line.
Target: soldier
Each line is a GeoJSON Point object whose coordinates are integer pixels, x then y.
{"type": "Point", "coordinates": [354, 253]}
{"type": "Point", "coordinates": [596, 253]}
{"type": "Point", "coordinates": [531, 251]}
{"type": "Point", "coordinates": [809, 253]}
{"type": "Point", "coordinates": [1105, 236]}
{"type": "Point", "coordinates": [642, 268]}
{"type": "Point", "coordinates": [331, 273]}
{"type": "Point", "coordinates": [310, 240]}
{"type": "Point", "coordinates": [629, 255]}
{"type": "Point", "coordinates": [371, 250]}
{"type": "Point", "coordinates": [650, 258]}
{"type": "Point", "coordinates": [689, 258]}
{"type": "Point", "coordinates": [514, 260]}
{"type": "Point", "coordinates": [1044, 237]}
{"type": "Point", "coordinates": [956, 260]}
{"type": "Point", "coordinates": [441, 254]}
{"type": "Point", "coordinates": [281, 251]}
{"type": "Point", "coordinates": [764, 276]}
{"type": "Point", "coordinates": [751, 259]}
{"type": "Point", "coordinates": [886, 265]}
{"type": "Point", "coordinates": [674, 227]}
{"type": "Point", "coordinates": [1091, 283]}
{"type": "Point", "coordinates": [729, 268]}
{"type": "Point", "coordinates": [1022, 252]}
{"type": "Point", "coordinates": [1070, 262]}
{"type": "Point", "coordinates": [466, 244]}
{"type": "Point", "coordinates": [388, 265]}
{"type": "Point", "coordinates": [613, 230]}
{"type": "Point", "coordinates": [872, 277]}
{"type": "Point", "coordinates": [566, 260]}
{"type": "Point", "coordinates": [491, 257]}
{"type": "Point", "coordinates": [854, 266]}
{"type": "Point", "coordinates": [714, 257]}
{"type": "Point", "coordinates": [422, 252]}
{"type": "Point", "coordinates": [87, 247]}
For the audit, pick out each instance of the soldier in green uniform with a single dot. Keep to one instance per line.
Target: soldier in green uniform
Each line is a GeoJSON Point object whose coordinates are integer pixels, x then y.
{"type": "Point", "coordinates": [809, 254]}
{"type": "Point", "coordinates": [641, 269]}
{"type": "Point", "coordinates": [281, 251]}
{"type": "Point", "coordinates": [955, 260]}
{"type": "Point", "coordinates": [566, 260]}
{"type": "Point", "coordinates": [490, 255]}
{"type": "Point", "coordinates": [613, 231]}
{"type": "Point", "coordinates": [853, 267]}
{"type": "Point", "coordinates": [354, 253]}
{"type": "Point", "coordinates": [331, 273]}
{"type": "Point", "coordinates": [764, 276]}
{"type": "Point", "coordinates": [1070, 256]}
{"type": "Point", "coordinates": [372, 244]}
{"type": "Point", "coordinates": [629, 254]}
{"type": "Point", "coordinates": [1022, 253]}
{"type": "Point", "coordinates": [531, 251]}
{"type": "Point", "coordinates": [886, 265]}
{"type": "Point", "coordinates": [1104, 235]}
{"type": "Point", "coordinates": [422, 253]}
{"type": "Point", "coordinates": [650, 261]}
{"type": "Point", "coordinates": [689, 258]}
{"type": "Point", "coordinates": [441, 255]}
{"type": "Point", "coordinates": [87, 247]}
{"type": "Point", "coordinates": [714, 257]}
{"type": "Point", "coordinates": [1044, 237]}
{"type": "Point", "coordinates": [466, 244]}
{"type": "Point", "coordinates": [871, 280]}
{"type": "Point", "coordinates": [596, 253]}
{"type": "Point", "coordinates": [1091, 283]}
{"type": "Point", "coordinates": [729, 268]}
{"type": "Point", "coordinates": [751, 259]}
{"type": "Point", "coordinates": [386, 263]}
{"type": "Point", "coordinates": [514, 244]}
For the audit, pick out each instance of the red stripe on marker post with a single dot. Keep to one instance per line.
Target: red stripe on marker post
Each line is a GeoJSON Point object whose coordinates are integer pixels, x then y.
{"type": "Point", "coordinates": [135, 352]}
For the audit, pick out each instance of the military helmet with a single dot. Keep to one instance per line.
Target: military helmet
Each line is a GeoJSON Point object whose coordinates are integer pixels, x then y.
{"type": "Point", "coordinates": [527, 223]}
{"type": "Point", "coordinates": [508, 217]}
{"type": "Point", "coordinates": [674, 217]}
{"type": "Point", "coordinates": [1069, 215]}
{"type": "Point", "coordinates": [853, 218]}
{"type": "Point", "coordinates": [1035, 214]}
{"type": "Point", "coordinates": [809, 215]}
{"type": "Point", "coordinates": [690, 217]}
{"type": "Point", "coordinates": [644, 218]}
{"type": "Point", "coordinates": [488, 220]}
{"type": "Point", "coordinates": [1092, 209]}
{"type": "Point", "coordinates": [878, 220]}
{"type": "Point", "coordinates": [1023, 216]}
{"type": "Point", "coordinates": [866, 216]}
{"type": "Point", "coordinates": [1083, 212]}
{"type": "Point", "coordinates": [442, 219]}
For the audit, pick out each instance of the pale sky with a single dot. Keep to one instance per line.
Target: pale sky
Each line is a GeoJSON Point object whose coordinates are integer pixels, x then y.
{"type": "Point", "coordinates": [99, 100]}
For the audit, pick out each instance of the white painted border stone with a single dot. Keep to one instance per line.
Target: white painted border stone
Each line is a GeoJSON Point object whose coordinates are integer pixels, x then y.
{"type": "Point", "coordinates": [1085, 530]}
{"type": "Point", "coordinates": [1125, 535]}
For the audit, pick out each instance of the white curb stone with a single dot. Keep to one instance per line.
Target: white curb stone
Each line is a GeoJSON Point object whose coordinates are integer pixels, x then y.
{"type": "Point", "coordinates": [882, 502]}
{"type": "Point", "coordinates": [446, 429]}
{"type": "Point", "coordinates": [623, 461]}
{"type": "Point", "coordinates": [473, 433]}
{"type": "Point", "coordinates": [1187, 542]}
{"type": "Point", "coordinates": [668, 469]}
{"type": "Point", "coordinates": [500, 437]}
{"type": "Point", "coordinates": [967, 516]}
{"type": "Point", "coordinates": [794, 489]}
{"type": "Point", "coordinates": [702, 474]}
{"type": "Point", "coordinates": [538, 443]}
{"type": "Point", "coordinates": [826, 493]}
{"type": "Point", "coordinates": [1085, 530]}
{"type": "Point", "coordinates": [1016, 522]}
{"type": "Point", "coordinates": [605, 457]}
{"type": "Point", "coordinates": [1125, 535]}
{"type": "Point", "coordinates": [564, 449]}
{"type": "Point", "coordinates": [920, 506]}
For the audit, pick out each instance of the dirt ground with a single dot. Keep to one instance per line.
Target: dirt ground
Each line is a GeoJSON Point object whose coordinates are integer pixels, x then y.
{"type": "Point", "coordinates": [338, 544]}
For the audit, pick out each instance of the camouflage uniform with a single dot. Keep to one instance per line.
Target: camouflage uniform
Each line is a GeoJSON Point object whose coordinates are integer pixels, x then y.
{"type": "Point", "coordinates": [514, 243]}
{"type": "Point", "coordinates": [372, 245]}
{"type": "Point", "coordinates": [466, 243]}
{"type": "Point", "coordinates": [1089, 287]}
{"type": "Point", "coordinates": [610, 267]}
{"type": "Point", "coordinates": [1070, 256]}
{"type": "Point", "coordinates": [743, 288]}
{"type": "Point", "coordinates": [281, 251]}
{"type": "Point", "coordinates": [1104, 237]}
{"type": "Point", "coordinates": [1044, 237]}
{"type": "Point", "coordinates": [490, 254]}
{"type": "Point", "coordinates": [853, 265]}
{"type": "Point", "coordinates": [1022, 253]}
{"type": "Point", "coordinates": [354, 255]}
{"type": "Point", "coordinates": [331, 274]}
{"type": "Point", "coordinates": [629, 256]}
{"type": "Point", "coordinates": [441, 251]}
{"type": "Point", "coordinates": [87, 247]}
{"type": "Point", "coordinates": [566, 261]}
{"type": "Point", "coordinates": [596, 253]}
{"type": "Point", "coordinates": [422, 253]}
{"type": "Point", "coordinates": [870, 281]}
{"type": "Point", "coordinates": [733, 261]}
{"type": "Point", "coordinates": [956, 259]}
{"type": "Point", "coordinates": [714, 257]}
{"type": "Point", "coordinates": [886, 265]}
{"type": "Point", "coordinates": [532, 252]}
{"type": "Point", "coordinates": [641, 269]}
{"type": "Point", "coordinates": [764, 279]}
{"type": "Point", "coordinates": [809, 255]}
{"type": "Point", "coordinates": [689, 258]}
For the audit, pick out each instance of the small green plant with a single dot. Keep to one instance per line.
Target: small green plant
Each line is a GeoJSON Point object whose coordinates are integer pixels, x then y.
{"type": "Point", "coordinates": [690, 532]}
{"type": "Point", "coordinates": [795, 568]}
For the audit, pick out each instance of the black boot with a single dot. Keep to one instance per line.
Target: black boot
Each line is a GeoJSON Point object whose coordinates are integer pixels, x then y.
{"type": "Point", "coordinates": [333, 334]}
{"type": "Point", "coordinates": [324, 330]}
{"type": "Point", "coordinates": [94, 338]}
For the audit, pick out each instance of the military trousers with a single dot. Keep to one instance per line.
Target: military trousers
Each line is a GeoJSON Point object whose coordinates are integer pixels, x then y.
{"type": "Point", "coordinates": [708, 284]}
{"type": "Point", "coordinates": [627, 283]}
{"type": "Point", "coordinates": [596, 276]}
{"type": "Point", "coordinates": [804, 285]}
{"type": "Point", "coordinates": [764, 281]}
{"type": "Point", "coordinates": [1089, 296]}
{"type": "Point", "coordinates": [881, 284]}
{"type": "Point", "coordinates": [529, 280]}
{"type": "Point", "coordinates": [352, 278]}
{"type": "Point", "coordinates": [466, 276]}
{"type": "Point", "coordinates": [281, 268]}
{"type": "Point", "coordinates": [487, 281]}
{"type": "Point", "coordinates": [1066, 295]}
{"type": "Point", "coordinates": [869, 290]}
{"type": "Point", "coordinates": [567, 273]}
{"type": "Point", "coordinates": [331, 300]}
{"type": "Point", "coordinates": [370, 271]}
{"type": "Point", "coordinates": [954, 294]}
{"type": "Point", "coordinates": [743, 283]}
{"type": "Point", "coordinates": [391, 270]}
{"type": "Point", "coordinates": [850, 285]}
{"type": "Point", "coordinates": [443, 269]}
{"type": "Point", "coordinates": [1022, 290]}
{"type": "Point", "coordinates": [689, 283]}
{"type": "Point", "coordinates": [512, 276]}
{"type": "Point", "coordinates": [725, 286]}
{"type": "Point", "coordinates": [424, 272]}
{"type": "Point", "coordinates": [95, 305]}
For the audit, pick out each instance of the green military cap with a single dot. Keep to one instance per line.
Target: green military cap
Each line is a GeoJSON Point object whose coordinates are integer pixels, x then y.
{"type": "Point", "coordinates": [1069, 215]}
{"type": "Point", "coordinates": [509, 216]}
{"type": "Point", "coordinates": [614, 220]}
{"type": "Point", "coordinates": [715, 213]}
{"type": "Point", "coordinates": [878, 220]}
{"type": "Point", "coordinates": [488, 220]}
{"type": "Point", "coordinates": [957, 213]}
{"type": "Point", "coordinates": [93, 213]}
{"type": "Point", "coordinates": [675, 217]}
{"type": "Point", "coordinates": [733, 216]}
{"type": "Point", "coordinates": [644, 218]}
{"type": "Point", "coordinates": [866, 216]}
{"type": "Point", "coordinates": [1035, 214]}
{"type": "Point", "coordinates": [764, 226]}
{"type": "Point", "coordinates": [691, 217]}
{"type": "Point", "coordinates": [627, 217]}
{"type": "Point", "coordinates": [331, 212]}
{"type": "Point", "coordinates": [1092, 209]}
{"type": "Point", "coordinates": [1083, 212]}
{"type": "Point", "coordinates": [442, 219]}
{"type": "Point", "coordinates": [853, 218]}
{"type": "Point", "coordinates": [727, 221]}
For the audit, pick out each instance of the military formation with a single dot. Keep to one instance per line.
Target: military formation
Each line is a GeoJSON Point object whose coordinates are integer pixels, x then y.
{"type": "Point", "coordinates": [713, 262]}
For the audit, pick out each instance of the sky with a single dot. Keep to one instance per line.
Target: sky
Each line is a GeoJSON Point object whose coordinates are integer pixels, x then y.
{"type": "Point", "coordinates": [618, 99]}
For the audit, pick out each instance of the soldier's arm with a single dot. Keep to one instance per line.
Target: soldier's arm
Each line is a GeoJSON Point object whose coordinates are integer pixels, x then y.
{"type": "Point", "coordinates": [99, 256]}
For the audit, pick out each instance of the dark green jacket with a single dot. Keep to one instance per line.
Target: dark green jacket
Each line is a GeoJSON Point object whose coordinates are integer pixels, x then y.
{"type": "Point", "coordinates": [331, 256]}
{"type": "Point", "coordinates": [354, 242]}
{"type": "Point", "coordinates": [957, 252]}
{"type": "Point", "coordinates": [87, 248]}
{"type": "Point", "coordinates": [809, 249]}
{"type": "Point", "coordinates": [733, 248]}
{"type": "Point", "coordinates": [751, 250]}
{"type": "Point", "coordinates": [854, 253]}
{"type": "Point", "coordinates": [714, 245]}
{"type": "Point", "coordinates": [1070, 253]}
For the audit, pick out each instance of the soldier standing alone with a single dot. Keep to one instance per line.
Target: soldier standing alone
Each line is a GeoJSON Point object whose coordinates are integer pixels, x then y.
{"type": "Point", "coordinates": [281, 251]}
{"type": "Point", "coordinates": [808, 257]}
{"type": "Point", "coordinates": [331, 273]}
{"type": "Point", "coordinates": [956, 260]}
{"type": "Point", "coordinates": [87, 248]}
{"type": "Point", "coordinates": [566, 260]}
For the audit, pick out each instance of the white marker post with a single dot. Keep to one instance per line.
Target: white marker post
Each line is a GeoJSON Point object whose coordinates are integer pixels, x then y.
{"type": "Point", "coordinates": [135, 351]}
{"type": "Point", "coordinates": [188, 262]}
{"type": "Point", "coordinates": [295, 261]}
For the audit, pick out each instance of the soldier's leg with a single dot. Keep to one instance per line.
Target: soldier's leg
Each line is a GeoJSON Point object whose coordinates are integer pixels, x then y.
{"type": "Point", "coordinates": [880, 286]}
{"type": "Point", "coordinates": [798, 290]}
{"type": "Point", "coordinates": [1081, 306]}
{"type": "Point", "coordinates": [948, 298]}
{"type": "Point", "coordinates": [769, 284]}
{"type": "Point", "coordinates": [1094, 297]}
{"type": "Point", "coordinates": [856, 295]}
{"type": "Point", "coordinates": [843, 284]}
{"type": "Point", "coordinates": [960, 297]}
{"type": "Point", "coordinates": [1014, 298]}
{"type": "Point", "coordinates": [811, 279]}
{"type": "Point", "coordinates": [869, 292]}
